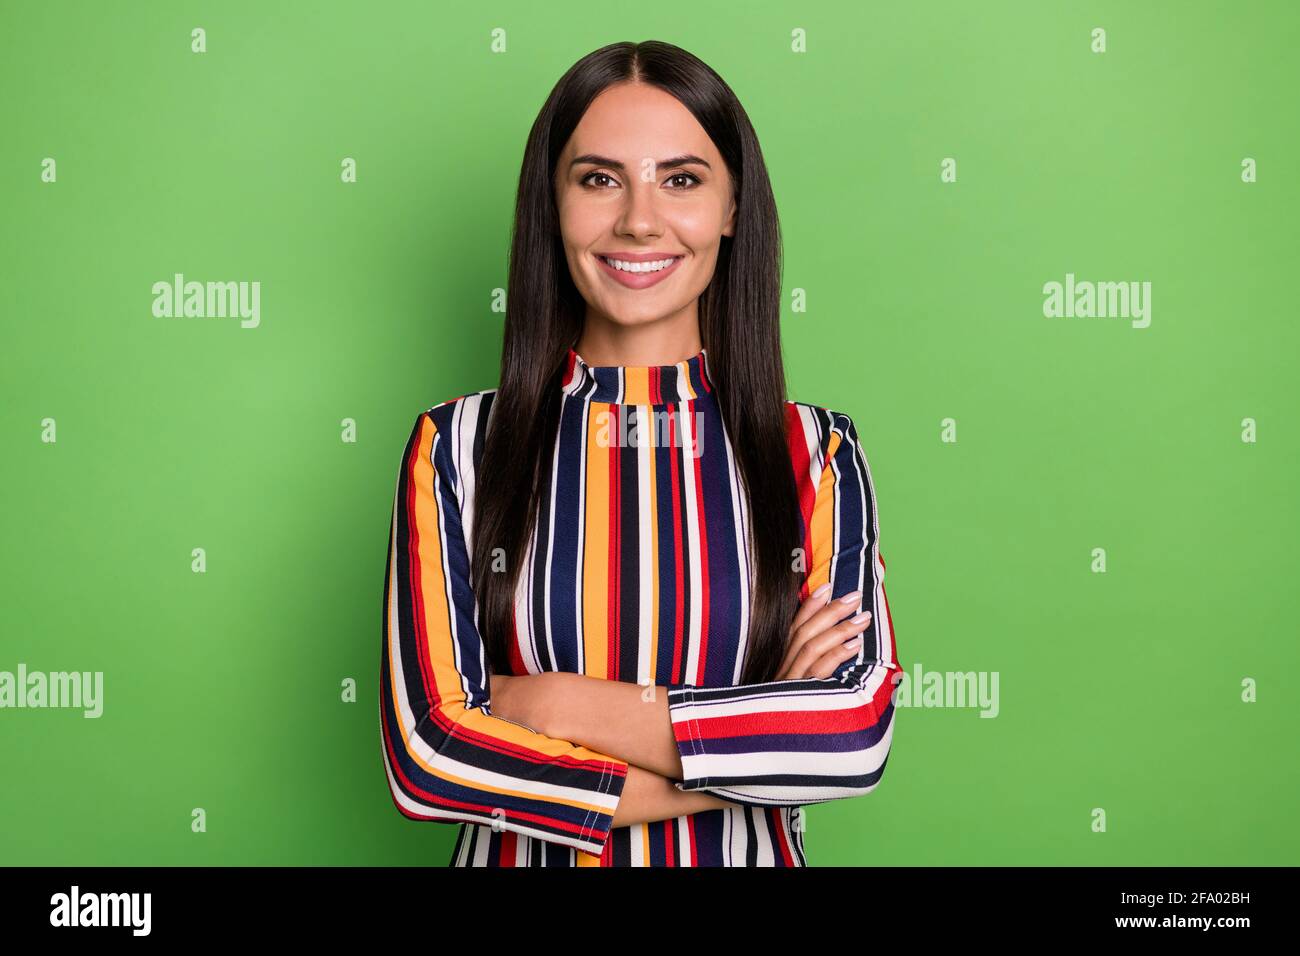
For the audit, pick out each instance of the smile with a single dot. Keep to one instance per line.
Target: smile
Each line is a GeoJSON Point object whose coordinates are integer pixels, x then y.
{"type": "Point", "coordinates": [638, 275]}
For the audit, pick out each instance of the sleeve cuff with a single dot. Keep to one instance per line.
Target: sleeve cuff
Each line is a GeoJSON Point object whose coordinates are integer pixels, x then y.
{"type": "Point", "coordinates": [595, 833]}
{"type": "Point", "coordinates": [690, 741]}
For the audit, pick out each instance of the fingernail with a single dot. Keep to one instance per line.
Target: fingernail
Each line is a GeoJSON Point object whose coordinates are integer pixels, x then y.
{"type": "Point", "coordinates": [861, 618]}
{"type": "Point", "coordinates": [856, 642]}
{"type": "Point", "coordinates": [822, 591]}
{"type": "Point", "coordinates": [851, 597]}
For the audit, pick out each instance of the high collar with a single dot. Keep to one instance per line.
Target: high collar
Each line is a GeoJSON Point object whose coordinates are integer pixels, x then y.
{"type": "Point", "coordinates": [637, 384]}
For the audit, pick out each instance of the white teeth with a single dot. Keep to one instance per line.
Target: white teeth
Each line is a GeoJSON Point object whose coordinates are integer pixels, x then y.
{"type": "Point", "coordinates": [639, 266]}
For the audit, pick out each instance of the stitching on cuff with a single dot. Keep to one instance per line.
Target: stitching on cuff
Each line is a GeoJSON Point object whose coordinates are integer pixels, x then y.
{"type": "Point", "coordinates": [693, 727]}
{"type": "Point", "coordinates": [606, 783]}
{"type": "Point", "coordinates": [585, 832]}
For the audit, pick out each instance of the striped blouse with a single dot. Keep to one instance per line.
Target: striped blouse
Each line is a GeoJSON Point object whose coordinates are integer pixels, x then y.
{"type": "Point", "coordinates": [634, 573]}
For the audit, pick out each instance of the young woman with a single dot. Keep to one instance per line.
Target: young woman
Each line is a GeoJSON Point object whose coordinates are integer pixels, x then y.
{"type": "Point", "coordinates": [635, 612]}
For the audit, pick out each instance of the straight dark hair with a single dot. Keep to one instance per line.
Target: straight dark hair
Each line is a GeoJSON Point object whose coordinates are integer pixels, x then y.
{"type": "Point", "coordinates": [739, 311]}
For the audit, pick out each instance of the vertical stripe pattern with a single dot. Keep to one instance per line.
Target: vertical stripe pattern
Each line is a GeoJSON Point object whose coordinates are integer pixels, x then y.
{"type": "Point", "coordinates": [638, 570]}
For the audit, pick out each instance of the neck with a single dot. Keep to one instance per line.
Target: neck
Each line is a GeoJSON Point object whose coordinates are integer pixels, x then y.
{"type": "Point", "coordinates": [662, 342]}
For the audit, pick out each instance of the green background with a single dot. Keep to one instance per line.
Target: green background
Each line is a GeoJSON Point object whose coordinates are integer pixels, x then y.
{"type": "Point", "coordinates": [1119, 690]}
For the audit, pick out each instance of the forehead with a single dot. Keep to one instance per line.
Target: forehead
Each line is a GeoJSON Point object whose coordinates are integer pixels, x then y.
{"type": "Point", "coordinates": [632, 122]}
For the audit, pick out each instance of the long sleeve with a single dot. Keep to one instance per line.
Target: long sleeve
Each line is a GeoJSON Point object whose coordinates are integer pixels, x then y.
{"type": "Point", "coordinates": [448, 759]}
{"type": "Point", "coordinates": [794, 742]}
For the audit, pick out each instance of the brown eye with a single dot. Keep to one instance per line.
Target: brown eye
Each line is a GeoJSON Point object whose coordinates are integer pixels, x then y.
{"type": "Point", "coordinates": [583, 180]}
{"type": "Point", "coordinates": [690, 176]}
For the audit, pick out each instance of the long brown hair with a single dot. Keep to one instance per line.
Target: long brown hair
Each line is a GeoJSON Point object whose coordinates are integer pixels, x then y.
{"type": "Point", "coordinates": [739, 326]}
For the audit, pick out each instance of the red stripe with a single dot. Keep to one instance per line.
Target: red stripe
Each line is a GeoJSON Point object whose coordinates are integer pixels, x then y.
{"type": "Point", "coordinates": [517, 665]}
{"type": "Point", "coordinates": [779, 837]}
{"type": "Point", "coordinates": [807, 492]}
{"type": "Point", "coordinates": [569, 365]}
{"type": "Point", "coordinates": [509, 845]}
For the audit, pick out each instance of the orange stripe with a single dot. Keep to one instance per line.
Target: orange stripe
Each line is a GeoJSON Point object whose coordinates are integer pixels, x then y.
{"type": "Point", "coordinates": [595, 557]}
{"type": "Point", "coordinates": [823, 522]}
{"type": "Point", "coordinates": [636, 386]}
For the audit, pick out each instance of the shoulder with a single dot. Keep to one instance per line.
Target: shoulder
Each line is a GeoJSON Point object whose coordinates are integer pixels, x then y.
{"type": "Point", "coordinates": [451, 428]}
{"type": "Point", "coordinates": [822, 431]}
{"type": "Point", "coordinates": [831, 468]}
{"type": "Point", "coordinates": [457, 414]}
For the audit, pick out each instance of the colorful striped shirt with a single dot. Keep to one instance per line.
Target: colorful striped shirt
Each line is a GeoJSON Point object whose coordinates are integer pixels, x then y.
{"type": "Point", "coordinates": [638, 570]}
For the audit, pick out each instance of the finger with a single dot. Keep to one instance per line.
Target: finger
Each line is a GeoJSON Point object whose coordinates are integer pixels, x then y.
{"type": "Point", "coordinates": [810, 606]}
{"type": "Point", "coordinates": [814, 603]}
{"type": "Point", "coordinates": [817, 622]}
{"type": "Point", "coordinates": [824, 618]}
{"type": "Point", "coordinates": [830, 662]}
{"type": "Point", "coordinates": [828, 641]}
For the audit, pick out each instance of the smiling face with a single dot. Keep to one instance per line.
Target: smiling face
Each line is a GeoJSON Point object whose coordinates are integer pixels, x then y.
{"type": "Point", "coordinates": [644, 199]}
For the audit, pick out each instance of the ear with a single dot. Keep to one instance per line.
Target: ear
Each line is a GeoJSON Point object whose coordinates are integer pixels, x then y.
{"type": "Point", "coordinates": [729, 227]}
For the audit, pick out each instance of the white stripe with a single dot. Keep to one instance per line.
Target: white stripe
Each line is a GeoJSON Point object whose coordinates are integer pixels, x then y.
{"type": "Point", "coordinates": [482, 846]}
{"type": "Point", "coordinates": [548, 630]}
{"type": "Point", "coordinates": [580, 574]}
{"type": "Point", "coordinates": [526, 645]}
{"type": "Point", "coordinates": [734, 837]}
{"type": "Point", "coordinates": [693, 548]}
{"type": "Point", "coordinates": [763, 838]}
{"type": "Point", "coordinates": [682, 846]}
{"type": "Point", "coordinates": [637, 834]}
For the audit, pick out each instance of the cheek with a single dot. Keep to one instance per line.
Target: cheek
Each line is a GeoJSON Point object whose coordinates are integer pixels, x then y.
{"type": "Point", "coordinates": [699, 227]}
{"type": "Point", "coordinates": [592, 233]}
{"type": "Point", "coordinates": [580, 222]}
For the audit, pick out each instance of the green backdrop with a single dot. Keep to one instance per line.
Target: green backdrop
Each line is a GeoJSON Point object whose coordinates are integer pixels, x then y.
{"type": "Point", "coordinates": [911, 300]}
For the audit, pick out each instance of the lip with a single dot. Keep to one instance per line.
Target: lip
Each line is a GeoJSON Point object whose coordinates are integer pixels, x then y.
{"type": "Point", "coordinates": [635, 280]}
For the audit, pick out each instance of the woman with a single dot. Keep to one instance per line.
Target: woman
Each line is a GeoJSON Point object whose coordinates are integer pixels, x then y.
{"type": "Point", "coordinates": [676, 633]}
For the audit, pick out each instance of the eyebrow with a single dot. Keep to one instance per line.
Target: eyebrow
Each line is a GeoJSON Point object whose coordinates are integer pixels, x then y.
{"type": "Point", "coordinates": [595, 160]}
